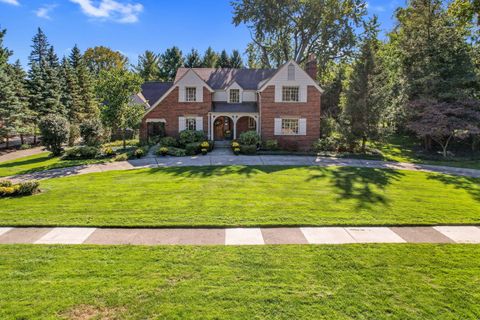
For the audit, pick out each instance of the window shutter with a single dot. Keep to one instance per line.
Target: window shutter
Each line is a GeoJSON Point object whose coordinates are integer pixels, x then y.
{"type": "Point", "coordinates": [302, 127]}
{"type": "Point", "coordinates": [278, 127]}
{"type": "Point", "coordinates": [181, 124]}
{"type": "Point", "coordinates": [199, 123]}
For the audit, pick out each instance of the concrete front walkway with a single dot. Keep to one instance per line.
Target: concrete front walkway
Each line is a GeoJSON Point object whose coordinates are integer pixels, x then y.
{"type": "Point", "coordinates": [218, 159]}
{"type": "Point", "coordinates": [241, 236]}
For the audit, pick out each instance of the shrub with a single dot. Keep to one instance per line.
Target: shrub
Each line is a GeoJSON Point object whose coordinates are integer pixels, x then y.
{"type": "Point", "coordinates": [25, 146]}
{"type": "Point", "coordinates": [82, 152]}
{"type": "Point", "coordinates": [334, 143]}
{"type": "Point", "coordinates": [21, 189]}
{"type": "Point", "coordinates": [168, 142]}
{"type": "Point", "coordinates": [192, 148]}
{"type": "Point", "coordinates": [248, 148]}
{"type": "Point", "coordinates": [271, 144]}
{"type": "Point", "coordinates": [121, 157]}
{"type": "Point", "coordinates": [204, 151]}
{"type": "Point", "coordinates": [205, 145]}
{"type": "Point", "coordinates": [176, 152]}
{"type": "Point", "coordinates": [138, 153]}
{"type": "Point", "coordinates": [211, 145]}
{"type": "Point", "coordinates": [5, 183]}
{"type": "Point", "coordinates": [91, 132]}
{"type": "Point", "coordinates": [27, 188]}
{"type": "Point", "coordinates": [108, 152]}
{"type": "Point", "coordinates": [249, 138]}
{"type": "Point", "coordinates": [163, 151]}
{"type": "Point", "coordinates": [119, 143]}
{"type": "Point", "coordinates": [235, 144]}
{"type": "Point", "coordinates": [54, 130]}
{"type": "Point", "coordinates": [236, 150]}
{"type": "Point", "coordinates": [188, 136]}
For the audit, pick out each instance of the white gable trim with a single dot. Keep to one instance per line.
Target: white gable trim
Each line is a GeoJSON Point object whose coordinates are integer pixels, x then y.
{"type": "Point", "coordinates": [175, 86]}
{"type": "Point", "coordinates": [232, 84]}
{"type": "Point", "coordinates": [311, 82]}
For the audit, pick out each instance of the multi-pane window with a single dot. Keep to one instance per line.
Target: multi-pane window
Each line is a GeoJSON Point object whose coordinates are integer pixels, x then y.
{"type": "Point", "coordinates": [191, 124]}
{"type": "Point", "coordinates": [190, 94]}
{"type": "Point", "coordinates": [289, 126]}
{"type": "Point", "coordinates": [290, 94]}
{"type": "Point", "coordinates": [234, 95]}
{"type": "Point", "coordinates": [251, 123]}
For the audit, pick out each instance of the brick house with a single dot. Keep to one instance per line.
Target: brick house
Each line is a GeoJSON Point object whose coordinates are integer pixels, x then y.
{"type": "Point", "coordinates": [281, 104]}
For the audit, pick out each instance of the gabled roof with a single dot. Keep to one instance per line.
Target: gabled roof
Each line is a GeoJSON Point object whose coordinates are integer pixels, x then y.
{"type": "Point", "coordinates": [153, 90]}
{"type": "Point", "coordinates": [219, 79]}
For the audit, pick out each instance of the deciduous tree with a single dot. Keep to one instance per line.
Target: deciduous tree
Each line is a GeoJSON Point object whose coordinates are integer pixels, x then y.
{"type": "Point", "coordinates": [103, 58]}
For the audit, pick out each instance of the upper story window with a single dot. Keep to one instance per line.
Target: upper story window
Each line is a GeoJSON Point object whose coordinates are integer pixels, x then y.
{"type": "Point", "coordinates": [234, 95]}
{"type": "Point", "coordinates": [290, 94]}
{"type": "Point", "coordinates": [190, 94]}
{"type": "Point", "coordinates": [291, 72]}
{"type": "Point", "coordinates": [191, 124]}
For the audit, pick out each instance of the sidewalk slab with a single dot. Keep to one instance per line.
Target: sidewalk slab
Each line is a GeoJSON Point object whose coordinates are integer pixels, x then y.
{"type": "Point", "coordinates": [23, 235]}
{"type": "Point", "coordinates": [327, 235]}
{"type": "Point", "coordinates": [421, 235]}
{"type": "Point", "coordinates": [283, 236]}
{"type": "Point", "coordinates": [66, 236]}
{"type": "Point", "coordinates": [243, 236]}
{"type": "Point", "coordinates": [461, 234]}
{"type": "Point", "coordinates": [111, 236]}
{"type": "Point", "coordinates": [374, 235]}
{"type": "Point", "coordinates": [4, 230]}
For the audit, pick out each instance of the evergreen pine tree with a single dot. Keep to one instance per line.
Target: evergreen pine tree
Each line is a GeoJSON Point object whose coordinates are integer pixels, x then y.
{"type": "Point", "coordinates": [9, 103]}
{"type": "Point", "coordinates": [209, 58]}
{"type": "Point", "coordinates": [193, 59]}
{"type": "Point", "coordinates": [148, 66]}
{"type": "Point", "coordinates": [40, 47]}
{"type": "Point", "coordinates": [51, 103]}
{"type": "Point", "coordinates": [171, 60]}
{"type": "Point", "coordinates": [224, 60]}
{"type": "Point", "coordinates": [236, 60]}
{"type": "Point", "coordinates": [26, 116]}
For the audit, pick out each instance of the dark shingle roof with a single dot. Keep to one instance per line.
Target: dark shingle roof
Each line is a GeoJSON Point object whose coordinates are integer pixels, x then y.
{"type": "Point", "coordinates": [235, 107]}
{"type": "Point", "coordinates": [152, 91]}
{"type": "Point", "coordinates": [218, 79]}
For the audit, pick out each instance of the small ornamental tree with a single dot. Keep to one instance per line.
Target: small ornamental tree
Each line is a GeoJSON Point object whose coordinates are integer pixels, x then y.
{"type": "Point", "coordinates": [55, 130]}
{"type": "Point", "coordinates": [444, 121]}
{"type": "Point", "coordinates": [91, 132]}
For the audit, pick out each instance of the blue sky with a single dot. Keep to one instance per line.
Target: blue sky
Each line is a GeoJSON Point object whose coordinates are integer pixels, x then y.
{"type": "Point", "coordinates": [132, 26]}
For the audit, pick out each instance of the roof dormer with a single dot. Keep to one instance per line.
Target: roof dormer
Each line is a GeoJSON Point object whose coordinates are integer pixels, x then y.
{"type": "Point", "coordinates": [234, 93]}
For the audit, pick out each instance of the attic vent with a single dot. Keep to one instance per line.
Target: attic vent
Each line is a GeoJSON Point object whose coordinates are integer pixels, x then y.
{"type": "Point", "coordinates": [291, 72]}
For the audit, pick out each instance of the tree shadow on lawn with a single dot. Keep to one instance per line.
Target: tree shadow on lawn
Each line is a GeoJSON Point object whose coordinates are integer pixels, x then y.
{"type": "Point", "coordinates": [471, 185]}
{"type": "Point", "coordinates": [16, 163]}
{"type": "Point", "coordinates": [365, 186]}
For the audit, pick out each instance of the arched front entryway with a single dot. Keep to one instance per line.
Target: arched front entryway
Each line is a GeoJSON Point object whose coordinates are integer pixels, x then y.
{"type": "Point", "coordinates": [223, 128]}
{"type": "Point", "coordinates": [246, 123]}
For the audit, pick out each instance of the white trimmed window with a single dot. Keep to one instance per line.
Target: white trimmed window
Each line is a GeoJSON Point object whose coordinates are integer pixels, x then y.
{"type": "Point", "coordinates": [290, 94]}
{"type": "Point", "coordinates": [289, 127]}
{"type": "Point", "coordinates": [251, 123]}
{"type": "Point", "coordinates": [190, 94]}
{"type": "Point", "coordinates": [234, 95]}
{"type": "Point", "coordinates": [191, 124]}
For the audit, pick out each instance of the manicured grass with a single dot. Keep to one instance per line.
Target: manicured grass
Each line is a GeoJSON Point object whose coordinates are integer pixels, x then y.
{"type": "Point", "coordinates": [402, 149]}
{"type": "Point", "coordinates": [40, 162]}
{"type": "Point", "coordinates": [268, 282]}
{"type": "Point", "coordinates": [248, 196]}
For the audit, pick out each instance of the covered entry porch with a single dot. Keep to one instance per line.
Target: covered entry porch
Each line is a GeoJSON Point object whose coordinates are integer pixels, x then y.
{"type": "Point", "coordinates": [229, 126]}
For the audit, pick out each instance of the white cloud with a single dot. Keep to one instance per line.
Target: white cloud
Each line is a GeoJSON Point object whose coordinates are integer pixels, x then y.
{"type": "Point", "coordinates": [14, 2]}
{"type": "Point", "coordinates": [44, 12]}
{"type": "Point", "coordinates": [111, 10]}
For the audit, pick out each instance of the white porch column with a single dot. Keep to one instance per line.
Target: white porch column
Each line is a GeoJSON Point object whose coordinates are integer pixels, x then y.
{"type": "Point", "coordinates": [235, 118]}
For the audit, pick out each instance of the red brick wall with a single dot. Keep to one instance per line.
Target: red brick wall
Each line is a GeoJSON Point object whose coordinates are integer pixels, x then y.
{"type": "Point", "coordinates": [170, 109]}
{"type": "Point", "coordinates": [242, 125]}
{"type": "Point", "coordinates": [309, 110]}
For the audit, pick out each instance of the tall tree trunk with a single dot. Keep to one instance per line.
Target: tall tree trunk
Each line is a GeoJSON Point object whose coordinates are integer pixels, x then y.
{"type": "Point", "coordinates": [7, 142]}
{"type": "Point", "coordinates": [428, 143]}
{"type": "Point", "coordinates": [124, 133]}
{"type": "Point", "coordinates": [22, 140]}
{"type": "Point", "coordinates": [364, 144]}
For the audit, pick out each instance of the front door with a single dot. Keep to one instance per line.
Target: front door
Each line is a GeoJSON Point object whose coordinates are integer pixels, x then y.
{"type": "Point", "coordinates": [218, 128]}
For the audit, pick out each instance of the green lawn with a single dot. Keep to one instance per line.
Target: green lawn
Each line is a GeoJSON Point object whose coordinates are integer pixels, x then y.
{"type": "Point", "coordinates": [268, 282]}
{"type": "Point", "coordinates": [39, 162]}
{"type": "Point", "coordinates": [402, 149]}
{"type": "Point", "coordinates": [249, 196]}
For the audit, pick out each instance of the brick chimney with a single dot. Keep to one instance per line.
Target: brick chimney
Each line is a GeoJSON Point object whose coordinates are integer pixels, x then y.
{"type": "Point", "coordinates": [311, 66]}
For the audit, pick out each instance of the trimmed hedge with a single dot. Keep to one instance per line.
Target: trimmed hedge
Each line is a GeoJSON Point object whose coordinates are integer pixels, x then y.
{"type": "Point", "coordinates": [82, 152]}
{"type": "Point", "coordinates": [192, 148]}
{"type": "Point", "coordinates": [248, 148]}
